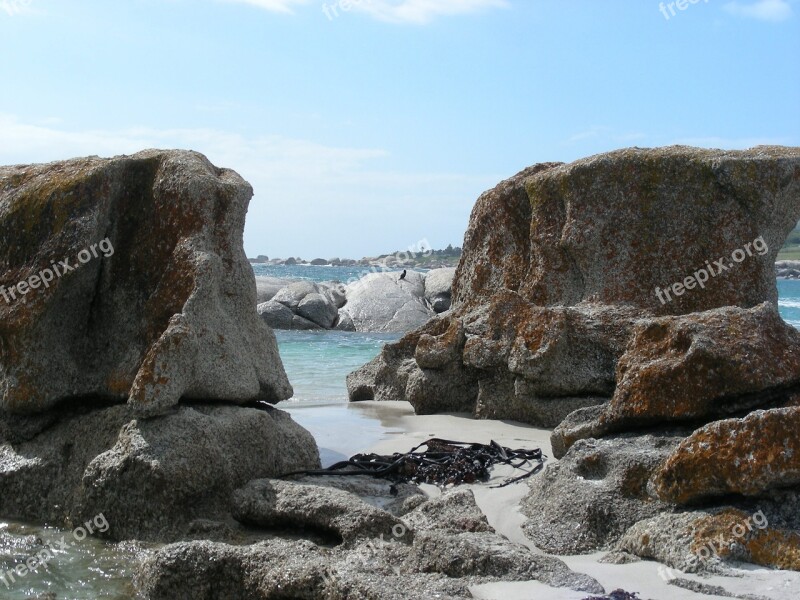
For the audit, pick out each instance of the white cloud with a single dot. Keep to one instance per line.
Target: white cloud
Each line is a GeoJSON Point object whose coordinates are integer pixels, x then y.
{"type": "Point", "coordinates": [282, 6]}
{"type": "Point", "coordinates": [763, 10]}
{"type": "Point", "coordinates": [421, 12]}
{"type": "Point", "coordinates": [415, 12]}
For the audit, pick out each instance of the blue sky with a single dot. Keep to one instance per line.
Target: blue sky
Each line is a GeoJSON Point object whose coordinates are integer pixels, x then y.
{"type": "Point", "coordinates": [371, 128]}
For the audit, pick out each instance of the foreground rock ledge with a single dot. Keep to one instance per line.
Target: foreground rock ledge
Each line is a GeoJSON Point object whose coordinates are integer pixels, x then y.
{"type": "Point", "coordinates": [164, 311]}
{"type": "Point", "coordinates": [151, 478]}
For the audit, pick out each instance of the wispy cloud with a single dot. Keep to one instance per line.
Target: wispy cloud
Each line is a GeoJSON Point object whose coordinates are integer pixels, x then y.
{"type": "Point", "coordinates": [603, 133]}
{"type": "Point", "coordinates": [414, 12]}
{"type": "Point", "coordinates": [763, 10]}
{"type": "Point", "coordinates": [281, 6]}
{"type": "Point", "coordinates": [421, 12]}
{"type": "Point", "coordinates": [13, 8]}
{"type": "Point", "coordinates": [732, 143]}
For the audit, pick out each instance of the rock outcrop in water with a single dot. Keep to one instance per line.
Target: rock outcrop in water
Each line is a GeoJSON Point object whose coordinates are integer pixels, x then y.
{"type": "Point", "coordinates": [624, 293]}
{"type": "Point", "coordinates": [157, 306]}
{"type": "Point", "coordinates": [164, 309]}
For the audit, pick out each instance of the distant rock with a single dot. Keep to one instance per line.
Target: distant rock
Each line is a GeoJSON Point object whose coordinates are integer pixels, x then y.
{"type": "Point", "coordinates": [438, 288]}
{"type": "Point", "coordinates": [382, 302]}
{"type": "Point", "coordinates": [303, 305]}
{"type": "Point", "coordinates": [318, 309]}
{"type": "Point", "coordinates": [344, 322]}
{"type": "Point", "coordinates": [276, 315]}
{"type": "Point", "coordinates": [267, 287]}
{"type": "Point", "coordinates": [293, 294]}
{"type": "Point", "coordinates": [162, 309]}
{"type": "Point", "coordinates": [787, 269]}
{"type": "Point", "coordinates": [319, 262]}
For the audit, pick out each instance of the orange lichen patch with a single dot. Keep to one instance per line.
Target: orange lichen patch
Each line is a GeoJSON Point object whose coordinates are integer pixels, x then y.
{"type": "Point", "coordinates": [747, 456]}
{"type": "Point", "coordinates": [718, 531]}
{"type": "Point", "coordinates": [778, 549]}
{"type": "Point", "coordinates": [764, 545]}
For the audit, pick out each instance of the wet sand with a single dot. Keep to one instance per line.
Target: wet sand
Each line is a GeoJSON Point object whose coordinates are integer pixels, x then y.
{"type": "Point", "coordinates": [402, 430]}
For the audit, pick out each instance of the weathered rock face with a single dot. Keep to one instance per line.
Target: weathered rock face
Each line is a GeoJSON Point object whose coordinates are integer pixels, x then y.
{"type": "Point", "coordinates": [268, 503]}
{"type": "Point", "coordinates": [595, 493]}
{"type": "Point", "coordinates": [161, 310]}
{"type": "Point", "coordinates": [704, 541]}
{"type": "Point", "coordinates": [151, 478]}
{"type": "Point", "coordinates": [564, 268]}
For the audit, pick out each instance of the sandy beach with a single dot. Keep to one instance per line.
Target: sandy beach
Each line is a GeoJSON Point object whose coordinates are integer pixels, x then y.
{"type": "Point", "coordinates": [402, 430]}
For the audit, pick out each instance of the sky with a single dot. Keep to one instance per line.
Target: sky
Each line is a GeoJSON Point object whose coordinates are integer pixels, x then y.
{"type": "Point", "coordinates": [367, 126]}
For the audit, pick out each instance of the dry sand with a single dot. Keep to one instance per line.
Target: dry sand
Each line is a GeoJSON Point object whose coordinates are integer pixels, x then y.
{"type": "Point", "coordinates": [403, 430]}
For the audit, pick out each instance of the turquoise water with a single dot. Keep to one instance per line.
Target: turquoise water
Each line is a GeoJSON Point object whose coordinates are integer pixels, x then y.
{"type": "Point", "coordinates": [317, 362]}
{"type": "Point", "coordinates": [789, 301]}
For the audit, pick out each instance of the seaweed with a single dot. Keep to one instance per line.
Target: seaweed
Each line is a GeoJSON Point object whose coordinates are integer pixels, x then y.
{"type": "Point", "coordinates": [439, 462]}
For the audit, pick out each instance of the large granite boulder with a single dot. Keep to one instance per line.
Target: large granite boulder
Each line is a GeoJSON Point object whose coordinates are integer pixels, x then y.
{"type": "Point", "coordinates": [561, 263]}
{"type": "Point", "coordinates": [384, 303]}
{"type": "Point", "coordinates": [126, 279]}
{"type": "Point", "coordinates": [627, 299]}
{"type": "Point", "coordinates": [158, 307]}
{"type": "Point", "coordinates": [151, 478]}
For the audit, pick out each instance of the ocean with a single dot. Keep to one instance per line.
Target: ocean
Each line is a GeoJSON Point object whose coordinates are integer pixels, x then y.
{"type": "Point", "coordinates": [317, 364]}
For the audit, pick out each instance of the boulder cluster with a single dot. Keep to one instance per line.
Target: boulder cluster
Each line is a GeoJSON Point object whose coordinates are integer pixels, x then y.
{"type": "Point", "coordinates": [377, 302]}
{"type": "Point", "coordinates": [684, 404]}
{"type": "Point", "coordinates": [788, 269]}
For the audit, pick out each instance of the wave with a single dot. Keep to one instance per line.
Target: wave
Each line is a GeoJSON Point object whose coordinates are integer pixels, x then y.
{"type": "Point", "coordinates": [789, 303]}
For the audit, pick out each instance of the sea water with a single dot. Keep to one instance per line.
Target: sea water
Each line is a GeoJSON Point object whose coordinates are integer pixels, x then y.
{"type": "Point", "coordinates": [317, 364]}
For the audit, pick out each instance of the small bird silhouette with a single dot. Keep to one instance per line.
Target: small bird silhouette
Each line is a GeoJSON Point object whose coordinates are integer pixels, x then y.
{"type": "Point", "coordinates": [403, 274]}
